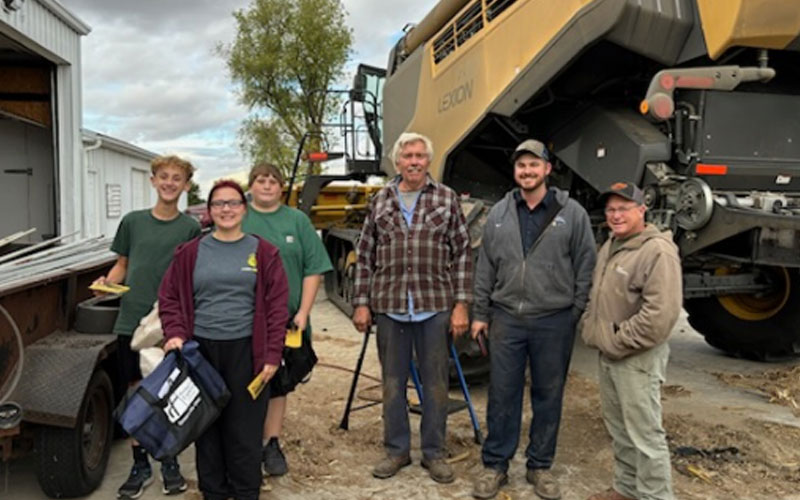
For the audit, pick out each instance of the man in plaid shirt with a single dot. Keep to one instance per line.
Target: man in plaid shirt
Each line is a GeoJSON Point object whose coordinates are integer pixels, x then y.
{"type": "Point", "coordinates": [414, 272]}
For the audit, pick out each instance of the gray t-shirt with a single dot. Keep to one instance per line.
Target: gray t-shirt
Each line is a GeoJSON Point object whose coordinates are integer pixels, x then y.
{"type": "Point", "coordinates": [409, 198]}
{"type": "Point", "coordinates": [225, 288]}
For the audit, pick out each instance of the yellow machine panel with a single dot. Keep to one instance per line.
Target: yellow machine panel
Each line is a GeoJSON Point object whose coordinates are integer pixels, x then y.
{"type": "Point", "coordinates": [768, 24]}
{"type": "Point", "coordinates": [456, 89]}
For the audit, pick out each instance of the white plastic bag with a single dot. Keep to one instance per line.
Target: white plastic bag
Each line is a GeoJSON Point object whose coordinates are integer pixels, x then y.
{"type": "Point", "coordinates": [147, 340]}
{"type": "Point", "coordinates": [149, 358]}
{"type": "Point", "coordinates": [149, 332]}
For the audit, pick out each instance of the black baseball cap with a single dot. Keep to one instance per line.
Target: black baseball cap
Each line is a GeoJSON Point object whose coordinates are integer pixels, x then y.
{"type": "Point", "coordinates": [531, 146]}
{"type": "Point", "coordinates": [627, 190]}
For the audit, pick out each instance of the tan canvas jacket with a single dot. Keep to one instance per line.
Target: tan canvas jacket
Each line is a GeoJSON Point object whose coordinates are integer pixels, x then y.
{"type": "Point", "coordinates": [636, 296]}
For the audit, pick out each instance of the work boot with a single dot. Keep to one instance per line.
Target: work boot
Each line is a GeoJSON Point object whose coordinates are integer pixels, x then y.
{"type": "Point", "coordinates": [609, 494]}
{"type": "Point", "coordinates": [140, 477]}
{"type": "Point", "coordinates": [390, 466]}
{"type": "Point", "coordinates": [171, 475]}
{"type": "Point", "coordinates": [488, 483]}
{"type": "Point", "coordinates": [273, 461]}
{"type": "Point", "coordinates": [544, 483]}
{"type": "Point", "coordinates": [439, 470]}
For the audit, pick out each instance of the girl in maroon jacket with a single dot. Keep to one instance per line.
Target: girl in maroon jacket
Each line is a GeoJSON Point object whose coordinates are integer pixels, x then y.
{"type": "Point", "coordinates": [228, 291]}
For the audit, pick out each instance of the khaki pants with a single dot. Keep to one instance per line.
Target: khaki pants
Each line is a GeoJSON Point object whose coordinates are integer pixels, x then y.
{"type": "Point", "coordinates": [630, 392]}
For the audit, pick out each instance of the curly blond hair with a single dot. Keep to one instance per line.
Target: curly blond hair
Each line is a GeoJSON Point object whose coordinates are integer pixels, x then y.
{"type": "Point", "coordinates": [160, 162]}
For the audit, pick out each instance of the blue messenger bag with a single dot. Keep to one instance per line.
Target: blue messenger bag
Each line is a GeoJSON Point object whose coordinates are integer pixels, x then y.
{"type": "Point", "coordinates": [175, 404]}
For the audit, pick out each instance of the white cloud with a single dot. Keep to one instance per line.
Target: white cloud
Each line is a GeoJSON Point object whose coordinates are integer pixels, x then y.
{"type": "Point", "coordinates": [151, 76]}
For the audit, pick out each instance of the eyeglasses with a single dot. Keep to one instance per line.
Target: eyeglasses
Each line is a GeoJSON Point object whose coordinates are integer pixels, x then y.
{"type": "Point", "coordinates": [619, 210]}
{"type": "Point", "coordinates": [230, 203]}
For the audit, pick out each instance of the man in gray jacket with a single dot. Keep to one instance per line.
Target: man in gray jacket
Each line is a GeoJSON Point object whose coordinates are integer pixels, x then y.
{"type": "Point", "coordinates": [531, 285]}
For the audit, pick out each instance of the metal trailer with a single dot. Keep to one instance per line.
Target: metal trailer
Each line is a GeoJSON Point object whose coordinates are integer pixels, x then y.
{"type": "Point", "coordinates": [68, 388]}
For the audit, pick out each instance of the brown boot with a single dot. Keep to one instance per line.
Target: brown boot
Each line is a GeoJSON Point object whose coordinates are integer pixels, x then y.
{"type": "Point", "coordinates": [390, 465]}
{"type": "Point", "coordinates": [440, 471]}
{"type": "Point", "coordinates": [488, 483]}
{"type": "Point", "coordinates": [609, 494]}
{"type": "Point", "coordinates": [544, 483]}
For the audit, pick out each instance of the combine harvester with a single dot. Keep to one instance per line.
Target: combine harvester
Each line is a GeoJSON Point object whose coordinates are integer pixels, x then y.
{"type": "Point", "coordinates": [697, 101]}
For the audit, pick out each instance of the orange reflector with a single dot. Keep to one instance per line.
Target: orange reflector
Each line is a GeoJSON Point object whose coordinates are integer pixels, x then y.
{"type": "Point", "coordinates": [644, 107]}
{"type": "Point", "coordinates": [703, 169]}
{"type": "Point", "coordinates": [319, 156]}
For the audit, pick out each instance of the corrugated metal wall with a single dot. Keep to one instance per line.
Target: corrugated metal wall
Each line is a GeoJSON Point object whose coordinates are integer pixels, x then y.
{"type": "Point", "coordinates": [54, 38]}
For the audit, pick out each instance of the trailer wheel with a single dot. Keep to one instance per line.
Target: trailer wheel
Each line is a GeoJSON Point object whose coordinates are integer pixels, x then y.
{"type": "Point", "coordinates": [755, 327]}
{"type": "Point", "coordinates": [72, 462]}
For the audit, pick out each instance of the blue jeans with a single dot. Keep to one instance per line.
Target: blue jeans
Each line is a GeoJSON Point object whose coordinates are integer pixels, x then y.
{"type": "Point", "coordinates": [545, 343]}
{"type": "Point", "coordinates": [429, 339]}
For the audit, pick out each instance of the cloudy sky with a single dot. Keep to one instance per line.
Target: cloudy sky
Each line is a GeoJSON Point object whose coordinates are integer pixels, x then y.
{"type": "Point", "coordinates": [150, 75]}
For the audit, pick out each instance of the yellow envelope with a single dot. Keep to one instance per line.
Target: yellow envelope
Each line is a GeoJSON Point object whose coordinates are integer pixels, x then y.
{"type": "Point", "coordinates": [109, 288]}
{"type": "Point", "coordinates": [294, 338]}
{"type": "Point", "coordinates": [256, 386]}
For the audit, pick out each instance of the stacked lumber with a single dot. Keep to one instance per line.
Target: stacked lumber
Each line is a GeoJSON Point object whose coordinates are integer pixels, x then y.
{"type": "Point", "coordinates": [50, 259]}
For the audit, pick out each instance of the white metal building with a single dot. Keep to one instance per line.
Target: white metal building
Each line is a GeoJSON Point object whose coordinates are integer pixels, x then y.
{"type": "Point", "coordinates": [117, 181]}
{"type": "Point", "coordinates": [54, 176]}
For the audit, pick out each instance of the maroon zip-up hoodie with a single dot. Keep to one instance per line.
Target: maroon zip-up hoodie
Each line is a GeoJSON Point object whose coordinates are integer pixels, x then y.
{"type": "Point", "coordinates": [176, 301]}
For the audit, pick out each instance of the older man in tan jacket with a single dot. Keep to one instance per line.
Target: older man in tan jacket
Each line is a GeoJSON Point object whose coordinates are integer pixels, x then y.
{"type": "Point", "coordinates": [634, 303]}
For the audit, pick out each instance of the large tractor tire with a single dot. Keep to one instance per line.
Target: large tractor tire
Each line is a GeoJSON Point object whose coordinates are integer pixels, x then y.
{"type": "Point", "coordinates": [72, 462]}
{"type": "Point", "coordinates": [755, 327]}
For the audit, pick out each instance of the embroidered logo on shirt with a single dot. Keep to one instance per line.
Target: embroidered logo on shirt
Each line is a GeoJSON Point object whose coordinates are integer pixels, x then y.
{"type": "Point", "coordinates": [252, 264]}
{"type": "Point", "coordinates": [289, 238]}
{"type": "Point", "coordinates": [559, 221]}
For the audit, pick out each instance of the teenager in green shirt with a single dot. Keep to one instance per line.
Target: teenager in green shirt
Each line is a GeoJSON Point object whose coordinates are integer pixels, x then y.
{"type": "Point", "coordinates": [305, 260]}
{"type": "Point", "coordinates": [144, 243]}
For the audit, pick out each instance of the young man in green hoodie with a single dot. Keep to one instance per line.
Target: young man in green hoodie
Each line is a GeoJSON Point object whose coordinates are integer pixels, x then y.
{"type": "Point", "coordinates": [144, 243]}
{"type": "Point", "coordinates": [634, 304]}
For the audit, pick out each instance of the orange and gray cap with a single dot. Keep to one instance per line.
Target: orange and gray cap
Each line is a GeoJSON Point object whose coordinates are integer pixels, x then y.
{"type": "Point", "coordinates": [627, 190]}
{"type": "Point", "coordinates": [531, 146]}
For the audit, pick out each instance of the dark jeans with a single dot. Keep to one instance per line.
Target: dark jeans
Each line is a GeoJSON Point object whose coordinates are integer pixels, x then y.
{"type": "Point", "coordinates": [545, 343]}
{"type": "Point", "coordinates": [229, 451]}
{"type": "Point", "coordinates": [430, 342]}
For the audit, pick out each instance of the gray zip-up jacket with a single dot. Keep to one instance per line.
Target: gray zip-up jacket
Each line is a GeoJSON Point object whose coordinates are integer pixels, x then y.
{"type": "Point", "coordinates": [554, 275]}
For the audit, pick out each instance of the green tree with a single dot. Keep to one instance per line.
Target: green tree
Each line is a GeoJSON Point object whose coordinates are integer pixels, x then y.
{"type": "Point", "coordinates": [284, 53]}
{"type": "Point", "coordinates": [194, 194]}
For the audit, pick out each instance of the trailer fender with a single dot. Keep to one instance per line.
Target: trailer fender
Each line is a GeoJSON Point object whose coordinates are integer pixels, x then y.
{"type": "Point", "coordinates": [56, 374]}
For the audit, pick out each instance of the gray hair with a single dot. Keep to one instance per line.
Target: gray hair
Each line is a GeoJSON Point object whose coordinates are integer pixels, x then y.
{"type": "Point", "coordinates": [408, 138]}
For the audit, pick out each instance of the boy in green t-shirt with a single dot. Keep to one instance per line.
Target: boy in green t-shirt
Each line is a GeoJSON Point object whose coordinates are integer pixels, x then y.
{"type": "Point", "coordinates": [145, 242]}
{"type": "Point", "coordinates": [305, 260]}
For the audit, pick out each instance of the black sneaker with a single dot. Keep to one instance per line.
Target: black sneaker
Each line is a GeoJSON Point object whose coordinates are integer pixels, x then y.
{"type": "Point", "coordinates": [141, 476]}
{"type": "Point", "coordinates": [173, 480]}
{"type": "Point", "coordinates": [273, 462]}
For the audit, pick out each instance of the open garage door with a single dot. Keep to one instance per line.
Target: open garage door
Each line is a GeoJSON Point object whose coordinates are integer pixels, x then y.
{"type": "Point", "coordinates": [27, 155]}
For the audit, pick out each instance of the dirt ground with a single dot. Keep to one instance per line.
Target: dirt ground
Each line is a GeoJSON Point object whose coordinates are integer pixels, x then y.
{"type": "Point", "coordinates": [720, 454]}
{"type": "Point", "coordinates": [729, 422]}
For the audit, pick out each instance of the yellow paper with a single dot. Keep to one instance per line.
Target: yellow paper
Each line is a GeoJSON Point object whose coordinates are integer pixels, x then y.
{"type": "Point", "coordinates": [294, 338]}
{"type": "Point", "coordinates": [109, 288]}
{"type": "Point", "coordinates": [256, 386]}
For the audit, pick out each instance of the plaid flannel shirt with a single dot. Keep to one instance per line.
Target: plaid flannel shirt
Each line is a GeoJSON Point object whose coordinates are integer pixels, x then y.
{"type": "Point", "coordinates": [431, 259]}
